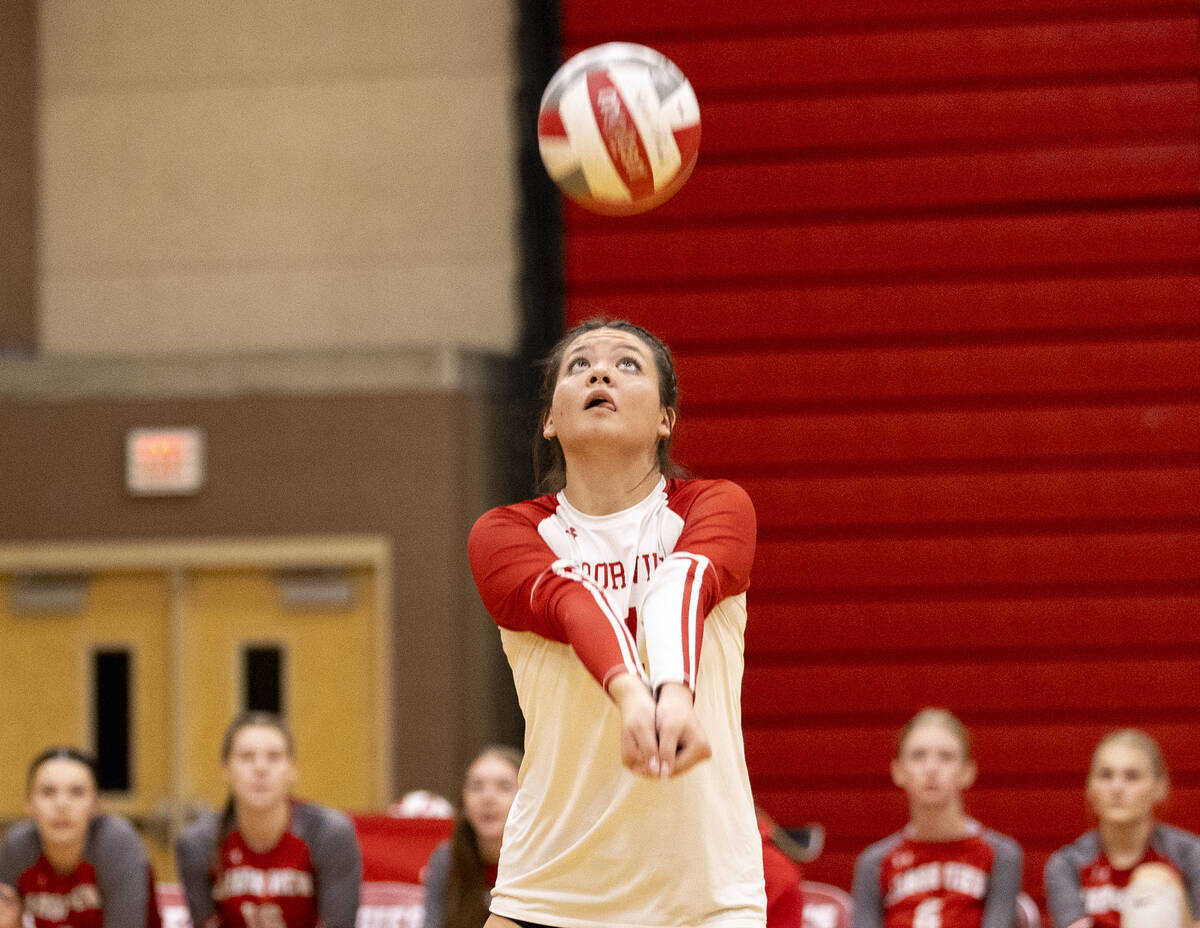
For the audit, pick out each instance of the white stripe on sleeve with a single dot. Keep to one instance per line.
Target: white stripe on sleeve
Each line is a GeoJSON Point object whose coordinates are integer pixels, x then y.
{"type": "Point", "coordinates": [672, 620]}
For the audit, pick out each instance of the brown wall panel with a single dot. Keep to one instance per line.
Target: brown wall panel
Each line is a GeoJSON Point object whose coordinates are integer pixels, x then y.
{"type": "Point", "coordinates": [18, 176]}
{"type": "Point", "coordinates": [411, 467]}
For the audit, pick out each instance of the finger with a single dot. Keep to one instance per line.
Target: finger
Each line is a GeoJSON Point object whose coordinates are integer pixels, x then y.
{"type": "Point", "coordinates": [691, 753]}
{"type": "Point", "coordinates": [668, 748]}
{"type": "Point", "coordinates": [638, 749]}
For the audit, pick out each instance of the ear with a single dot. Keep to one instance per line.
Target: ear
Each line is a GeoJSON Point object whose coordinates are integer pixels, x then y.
{"type": "Point", "coordinates": [898, 776]}
{"type": "Point", "coordinates": [969, 772]}
{"type": "Point", "coordinates": [666, 424]}
{"type": "Point", "coordinates": [548, 430]}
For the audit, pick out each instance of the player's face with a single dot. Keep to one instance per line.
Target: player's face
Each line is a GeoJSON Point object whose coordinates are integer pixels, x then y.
{"type": "Point", "coordinates": [932, 767]}
{"type": "Point", "coordinates": [608, 389]}
{"type": "Point", "coordinates": [260, 771]}
{"type": "Point", "coordinates": [488, 793]}
{"type": "Point", "coordinates": [62, 801]}
{"type": "Point", "coordinates": [1122, 786]}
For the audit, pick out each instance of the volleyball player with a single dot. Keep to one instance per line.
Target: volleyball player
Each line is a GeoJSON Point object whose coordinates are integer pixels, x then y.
{"type": "Point", "coordinates": [634, 806]}
{"type": "Point", "coordinates": [462, 870]}
{"type": "Point", "coordinates": [70, 864]}
{"type": "Point", "coordinates": [268, 860]}
{"type": "Point", "coordinates": [943, 869]}
{"type": "Point", "coordinates": [1131, 871]}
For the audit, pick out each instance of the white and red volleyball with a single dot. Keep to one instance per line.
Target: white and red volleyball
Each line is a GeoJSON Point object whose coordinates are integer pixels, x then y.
{"type": "Point", "coordinates": [619, 128]}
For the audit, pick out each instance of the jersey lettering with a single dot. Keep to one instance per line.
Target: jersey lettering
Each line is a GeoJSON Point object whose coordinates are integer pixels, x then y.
{"type": "Point", "coordinates": [936, 884]}
{"type": "Point", "coordinates": [251, 881]}
{"type": "Point", "coordinates": [58, 907]}
{"type": "Point", "coordinates": [614, 575]}
{"type": "Point", "coordinates": [608, 575]}
{"type": "Point", "coordinates": [928, 914]}
{"type": "Point", "coordinates": [923, 879]}
{"type": "Point", "coordinates": [644, 565]}
{"type": "Point", "coordinates": [965, 879]}
{"type": "Point", "coordinates": [927, 878]}
{"type": "Point", "coordinates": [55, 899]}
{"type": "Point", "coordinates": [271, 890]}
{"type": "Point", "coordinates": [267, 915]}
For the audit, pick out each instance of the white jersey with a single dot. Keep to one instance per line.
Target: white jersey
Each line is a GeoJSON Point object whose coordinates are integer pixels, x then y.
{"type": "Point", "coordinates": [578, 597]}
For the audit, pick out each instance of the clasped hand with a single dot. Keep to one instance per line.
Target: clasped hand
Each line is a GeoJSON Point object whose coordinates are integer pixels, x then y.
{"type": "Point", "coordinates": [662, 737]}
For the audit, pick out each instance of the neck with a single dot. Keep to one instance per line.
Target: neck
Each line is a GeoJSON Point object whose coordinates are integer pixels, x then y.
{"type": "Point", "coordinates": [489, 849]}
{"type": "Point", "coordinates": [1125, 844]}
{"type": "Point", "coordinates": [948, 823]}
{"type": "Point", "coordinates": [65, 857]}
{"type": "Point", "coordinates": [261, 829]}
{"type": "Point", "coordinates": [602, 487]}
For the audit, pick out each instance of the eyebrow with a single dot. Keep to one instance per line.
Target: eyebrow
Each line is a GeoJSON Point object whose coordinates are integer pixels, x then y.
{"type": "Point", "coordinates": [633, 345]}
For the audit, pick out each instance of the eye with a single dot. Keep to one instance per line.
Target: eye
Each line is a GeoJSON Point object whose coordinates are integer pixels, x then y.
{"type": "Point", "coordinates": [576, 364]}
{"type": "Point", "coordinates": [630, 363]}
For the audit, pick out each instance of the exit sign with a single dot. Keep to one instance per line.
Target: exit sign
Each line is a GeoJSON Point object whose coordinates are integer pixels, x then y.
{"type": "Point", "coordinates": [164, 462]}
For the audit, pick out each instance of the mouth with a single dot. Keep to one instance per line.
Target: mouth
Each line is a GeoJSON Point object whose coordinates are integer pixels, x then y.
{"type": "Point", "coordinates": [600, 401]}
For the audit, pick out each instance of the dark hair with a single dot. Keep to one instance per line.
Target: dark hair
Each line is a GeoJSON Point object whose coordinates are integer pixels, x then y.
{"type": "Point", "coordinates": [252, 719]}
{"type": "Point", "coordinates": [466, 886]}
{"type": "Point", "coordinates": [60, 752]}
{"type": "Point", "coordinates": [549, 465]}
{"type": "Point", "coordinates": [249, 719]}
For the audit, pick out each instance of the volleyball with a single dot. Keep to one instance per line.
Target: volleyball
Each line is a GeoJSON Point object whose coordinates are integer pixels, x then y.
{"type": "Point", "coordinates": [421, 803]}
{"type": "Point", "coordinates": [619, 128]}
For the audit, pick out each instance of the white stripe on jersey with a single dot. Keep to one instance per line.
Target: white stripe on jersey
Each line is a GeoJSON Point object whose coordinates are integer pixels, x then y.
{"type": "Point", "coordinates": [668, 606]}
{"type": "Point", "coordinates": [700, 565]}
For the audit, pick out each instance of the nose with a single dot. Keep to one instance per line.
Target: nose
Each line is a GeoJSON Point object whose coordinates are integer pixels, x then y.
{"type": "Point", "coordinates": [599, 374]}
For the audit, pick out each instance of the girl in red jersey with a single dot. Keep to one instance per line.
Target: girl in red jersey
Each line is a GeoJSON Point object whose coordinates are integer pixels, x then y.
{"type": "Point", "coordinates": [1132, 871]}
{"type": "Point", "coordinates": [634, 803]}
{"type": "Point", "coordinates": [70, 864]}
{"type": "Point", "coordinates": [462, 870]}
{"type": "Point", "coordinates": [944, 869]}
{"type": "Point", "coordinates": [268, 861]}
